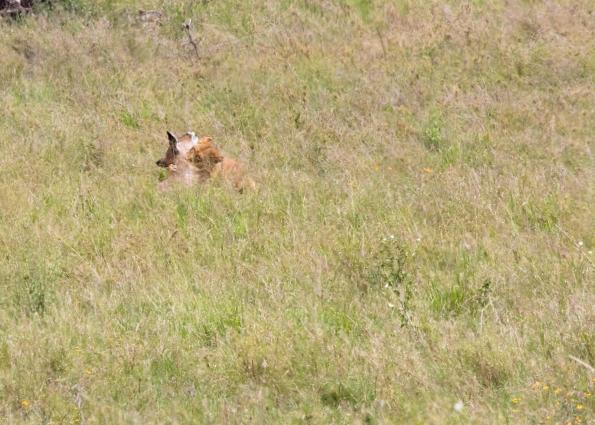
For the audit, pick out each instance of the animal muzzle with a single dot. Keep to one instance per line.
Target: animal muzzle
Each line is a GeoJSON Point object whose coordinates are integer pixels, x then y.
{"type": "Point", "coordinates": [162, 163]}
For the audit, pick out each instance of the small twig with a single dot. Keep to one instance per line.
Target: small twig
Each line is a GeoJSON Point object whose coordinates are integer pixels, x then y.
{"type": "Point", "coordinates": [190, 39]}
{"type": "Point", "coordinates": [381, 41]}
{"type": "Point", "coordinates": [585, 364]}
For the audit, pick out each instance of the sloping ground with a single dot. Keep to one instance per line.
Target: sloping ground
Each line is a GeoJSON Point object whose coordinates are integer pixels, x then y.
{"type": "Point", "coordinates": [422, 234]}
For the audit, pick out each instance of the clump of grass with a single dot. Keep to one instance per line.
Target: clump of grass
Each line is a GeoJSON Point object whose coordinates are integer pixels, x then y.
{"type": "Point", "coordinates": [389, 268]}
{"type": "Point", "coordinates": [353, 393]}
{"type": "Point", "coordinates": [34, 289]}
{"type": "Point", "coordinates": [434, 137]}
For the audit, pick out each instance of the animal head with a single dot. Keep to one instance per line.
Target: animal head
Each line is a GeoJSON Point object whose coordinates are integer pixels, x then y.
{"type": "Point", "coordinates": [189, 149]}
{"type": "Point", "coordinates": [172, 152]}
{"type": "Point", "coordinates": [177, 149]}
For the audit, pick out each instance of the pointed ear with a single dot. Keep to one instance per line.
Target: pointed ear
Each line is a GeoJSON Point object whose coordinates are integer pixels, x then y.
{"type": "Point", "coordinates": [173, 141]}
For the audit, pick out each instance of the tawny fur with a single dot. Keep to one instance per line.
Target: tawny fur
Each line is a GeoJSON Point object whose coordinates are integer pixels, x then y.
{"type": "Point", "coordinates": [192, 162]}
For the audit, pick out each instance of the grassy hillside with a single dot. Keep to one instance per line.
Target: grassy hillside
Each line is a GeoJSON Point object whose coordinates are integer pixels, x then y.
{"type": "Point", "coordinates": [422, 234]}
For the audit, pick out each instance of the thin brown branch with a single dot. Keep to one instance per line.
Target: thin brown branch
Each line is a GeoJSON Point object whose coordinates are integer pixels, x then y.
{"type": "Point", "coordinates": [381, 41]}
{"type": "Point", "coordinates": [190, 39]}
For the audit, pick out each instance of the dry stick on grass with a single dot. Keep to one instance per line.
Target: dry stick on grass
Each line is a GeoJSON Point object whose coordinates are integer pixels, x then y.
{"type": "Point", "coordinates": [190, 39]}
{"type": "Point", "coordinates": [582, 362]}
{"type": "Point", "coordinates": [381, 42]}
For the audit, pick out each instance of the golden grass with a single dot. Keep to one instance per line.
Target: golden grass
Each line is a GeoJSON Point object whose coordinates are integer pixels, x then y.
{"type": "Point", "coordinates": [422, 233]}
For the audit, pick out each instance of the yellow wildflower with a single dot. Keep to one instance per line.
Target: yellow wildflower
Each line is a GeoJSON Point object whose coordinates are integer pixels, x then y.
{"type": "Point", "coordinates": [515, 400]}
{"type": "Point", "coordinates": [579, 407]}
{"type": "Point", "coordinates": [25, 404]}
{"type": "Point", "coordinates": [557, 391]}
{"type": "Point", "coordinates": [546, 387]}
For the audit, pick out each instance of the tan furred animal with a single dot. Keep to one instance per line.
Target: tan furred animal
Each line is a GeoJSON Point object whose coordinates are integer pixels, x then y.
{"type": "Point", "coordinates": [191, 160]}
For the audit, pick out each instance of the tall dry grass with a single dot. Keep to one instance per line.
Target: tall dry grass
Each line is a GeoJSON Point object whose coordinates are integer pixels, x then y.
{"type": "Point", "coordinates": [422, 234]}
